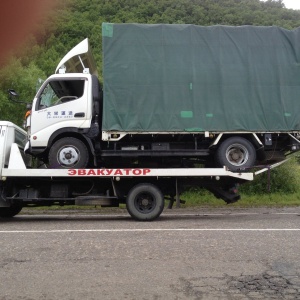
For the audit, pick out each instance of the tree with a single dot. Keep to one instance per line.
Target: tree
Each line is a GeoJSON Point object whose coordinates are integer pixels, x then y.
{"type": "Point", "coordinates": [74, 20]}
{"type": "Point", "coordinates": [23, 80]}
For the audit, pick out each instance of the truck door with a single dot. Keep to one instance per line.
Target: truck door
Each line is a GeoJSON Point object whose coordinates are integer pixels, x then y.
{"type": "Point", "coordinates": [61, 102]}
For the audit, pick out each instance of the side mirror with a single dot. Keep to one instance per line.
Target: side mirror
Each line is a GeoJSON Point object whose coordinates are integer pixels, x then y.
{"type": "Point", "coordinates": [13, 94]}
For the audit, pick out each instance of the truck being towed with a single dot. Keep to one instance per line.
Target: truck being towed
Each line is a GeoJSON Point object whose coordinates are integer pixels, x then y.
{"type": "Point", "coordinates": [172, 96]}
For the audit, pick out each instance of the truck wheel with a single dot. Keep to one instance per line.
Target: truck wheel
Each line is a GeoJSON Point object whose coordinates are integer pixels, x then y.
{"type": "Point", "coordinates": [68, 153]}
{"type": "Point", "coordinates": [236, 153]}
{"type": "Point", "coordinates": [9, 212]}
{"type": "Point", "coordinates": [145, 202]}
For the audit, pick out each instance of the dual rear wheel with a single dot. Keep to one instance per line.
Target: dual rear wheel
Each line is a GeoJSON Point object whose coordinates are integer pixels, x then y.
{"type": "Point", "coordinates": [236, 153]}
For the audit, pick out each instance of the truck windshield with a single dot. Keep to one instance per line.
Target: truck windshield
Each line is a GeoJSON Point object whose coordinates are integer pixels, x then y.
{"type": "Point", "coordinates": [60, 91]}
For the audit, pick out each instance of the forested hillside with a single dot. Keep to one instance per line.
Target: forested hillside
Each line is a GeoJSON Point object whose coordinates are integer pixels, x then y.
{"type": "Point", "coordinates": [75, 20]}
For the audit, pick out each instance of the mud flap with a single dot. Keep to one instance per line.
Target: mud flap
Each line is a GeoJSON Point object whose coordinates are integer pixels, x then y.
{"type": "Point", "coordinates": [229, 196]}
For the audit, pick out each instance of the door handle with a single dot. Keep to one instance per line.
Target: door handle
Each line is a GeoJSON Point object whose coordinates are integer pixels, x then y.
{"type": "Point", "coordinates": [79, 115]}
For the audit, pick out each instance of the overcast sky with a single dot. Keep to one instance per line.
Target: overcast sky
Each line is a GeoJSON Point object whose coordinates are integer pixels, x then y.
{"type": "Point", "coordinates": [294, 4]}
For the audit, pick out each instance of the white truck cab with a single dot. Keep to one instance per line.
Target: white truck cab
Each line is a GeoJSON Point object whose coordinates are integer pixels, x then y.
{"type": "Point", "coordinates": [64, 109]}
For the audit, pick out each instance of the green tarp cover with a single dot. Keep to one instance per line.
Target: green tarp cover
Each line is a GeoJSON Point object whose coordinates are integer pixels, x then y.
{"type": "Point", "coordinates": [194, 78]}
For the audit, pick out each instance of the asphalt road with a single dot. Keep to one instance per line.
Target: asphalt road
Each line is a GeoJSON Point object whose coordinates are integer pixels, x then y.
{"type": "Point", "coordinates": [185, 254]}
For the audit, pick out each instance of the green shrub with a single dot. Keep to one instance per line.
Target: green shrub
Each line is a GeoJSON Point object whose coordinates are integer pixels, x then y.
{"type": "Point", "coordinates": [279, 187]}
{"type": "Point", "coordinates": [283, 179]}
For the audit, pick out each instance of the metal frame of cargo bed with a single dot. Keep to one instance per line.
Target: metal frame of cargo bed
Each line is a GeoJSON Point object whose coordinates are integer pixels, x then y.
{"type": "Point", "coordinates": [108, 135]}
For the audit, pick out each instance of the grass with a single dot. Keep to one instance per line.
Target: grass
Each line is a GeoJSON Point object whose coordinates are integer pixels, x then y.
{"type": "Point", "coordinates": [272, 199]}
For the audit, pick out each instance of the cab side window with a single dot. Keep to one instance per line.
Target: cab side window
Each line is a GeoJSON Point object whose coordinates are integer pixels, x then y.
{"type": "Point", "coordinates": [60, 91]}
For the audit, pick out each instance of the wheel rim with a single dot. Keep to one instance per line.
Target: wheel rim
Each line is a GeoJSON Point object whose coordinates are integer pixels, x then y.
{"type": "Point", "coordinates": [145, 203]}
{"type": "Point", "coordinates": [68, 156]}
{"type": "Point", "coordinates": [237, 154]}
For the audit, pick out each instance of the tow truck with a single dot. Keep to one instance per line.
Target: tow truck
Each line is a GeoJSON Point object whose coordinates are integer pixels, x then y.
{"type": "Point", "coordinates": [25, 182]}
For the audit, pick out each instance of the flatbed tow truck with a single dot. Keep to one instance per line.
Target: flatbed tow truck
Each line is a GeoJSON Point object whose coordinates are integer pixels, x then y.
{"type": "Point", "coordinates": [25, 183]}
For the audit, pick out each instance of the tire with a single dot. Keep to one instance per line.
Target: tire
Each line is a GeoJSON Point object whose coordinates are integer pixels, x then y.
{"type": "Point", "coordinates": [236, 153]}
{"type": "Point", "coordinates": [9, 212]}
{"type": "Point", "coordinates": [68, 153]}
{"type": "Point", "coordinates": [145, 202]}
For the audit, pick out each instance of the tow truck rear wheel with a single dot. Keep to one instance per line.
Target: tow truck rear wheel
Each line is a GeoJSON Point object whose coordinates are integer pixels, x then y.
{"type": "Point", "coordinates": [68, 153]}
{"type": "Point", "coordinates": [145, 202]}
{"type": "Point", "coordinates": [9, 212]}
